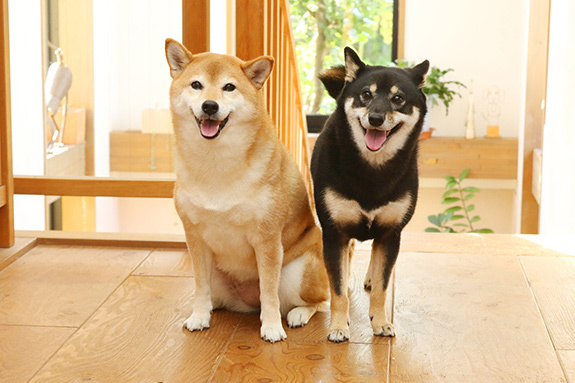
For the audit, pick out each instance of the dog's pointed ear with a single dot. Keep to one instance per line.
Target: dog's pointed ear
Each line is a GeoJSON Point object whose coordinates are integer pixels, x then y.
{"type": "Point", "coordinates": [178, 57]}
{"type": "Point", "coordinates": [258, 70]}
{"type": "Point", "coordinates": [418, 73]}
{"type": "Point", "coordinates": [353, 64]}
{"type": "Point", "coordinates": [333, 79]}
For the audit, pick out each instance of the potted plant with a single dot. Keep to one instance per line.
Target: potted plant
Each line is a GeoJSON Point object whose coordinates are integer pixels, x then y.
{"type": "Point", "coordinates": [457, 218]}
{"type": "Point", "coordinates": [437, 89]}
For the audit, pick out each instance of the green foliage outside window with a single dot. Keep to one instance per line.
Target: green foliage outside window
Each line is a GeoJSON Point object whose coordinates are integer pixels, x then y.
{"type": "Point", "coordinates": [322, 28]}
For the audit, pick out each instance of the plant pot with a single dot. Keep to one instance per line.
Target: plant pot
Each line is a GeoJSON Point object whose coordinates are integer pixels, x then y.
{"type": "Point", "coordinates": [426, 134]}
{"type": "Point", "coordinates": [315, 122]}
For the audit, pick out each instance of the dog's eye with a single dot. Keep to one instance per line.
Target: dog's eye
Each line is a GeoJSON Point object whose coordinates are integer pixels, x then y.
{"type": "Point", "coordinates": [229, 87]}
{"type": "Point", "coordinates": [397, 99]}
{"type": "Point", "coordinates": [366, 95]}
{"type": "Point", "coordinates": [197, 85]}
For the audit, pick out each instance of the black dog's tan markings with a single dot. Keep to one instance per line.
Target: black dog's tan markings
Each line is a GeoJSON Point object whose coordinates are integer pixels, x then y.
{"type": "Point", "coordinates": [364, 169]}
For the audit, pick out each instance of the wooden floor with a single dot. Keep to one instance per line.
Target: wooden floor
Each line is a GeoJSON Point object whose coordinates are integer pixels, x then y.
{"type": "Point", "coordinates": [467, 308]}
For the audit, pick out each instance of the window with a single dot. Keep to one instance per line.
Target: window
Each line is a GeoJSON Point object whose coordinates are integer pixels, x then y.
{"type": "Point", "coordinates": [324, 27]}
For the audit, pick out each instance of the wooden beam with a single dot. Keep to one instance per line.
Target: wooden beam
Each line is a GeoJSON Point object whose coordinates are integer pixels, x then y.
{"type": "Point", "coordinates": [93, 186]}
{"type": "Point", "coordinates": [537, 54]}
{"type": "Point", "coordinates": [7, 204]}
{"type": "Point", "coordinates": [76, 38]}
{"type": "Point", "coordinates": [64, 238]}
{"type": "Point", "coordinates": [250, 29]}
{"type": "Point", "coordinates": [76, 35]}
{"type": "Point", "coordinates": [196, 25]}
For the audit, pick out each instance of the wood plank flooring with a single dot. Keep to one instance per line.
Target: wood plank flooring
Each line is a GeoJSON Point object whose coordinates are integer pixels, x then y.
{"type": "Point", "coordinates": [466, 309]}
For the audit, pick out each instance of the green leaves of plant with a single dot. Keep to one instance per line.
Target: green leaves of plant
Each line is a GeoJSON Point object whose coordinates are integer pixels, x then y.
{"type": "Point", "coordinates": [453, 209]}
{"type": "Point", "coordinates": [449, 192]}
{"type": "Point", "coordinates": [455, 193]}
{"type": "Point", "coordinates": [434, 220]}
{"type": "Point", "coordinates": [484, 231]}
{"type": "Point", "coordinates": [463, 174]}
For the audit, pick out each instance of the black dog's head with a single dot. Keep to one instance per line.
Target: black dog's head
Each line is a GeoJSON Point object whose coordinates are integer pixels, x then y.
{"type": "Point", "coordinates": [383, 105]}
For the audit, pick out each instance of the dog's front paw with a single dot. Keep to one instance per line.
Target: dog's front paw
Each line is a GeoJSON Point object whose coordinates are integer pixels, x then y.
{"type": "Point", "coordinates": [384, 329]}
{"type": "Point", "coordinates": [198, 322]}
{"type": "Point", "coordinates": [273, 333]}
{"type": "Point", "coordinates": [338, 335]}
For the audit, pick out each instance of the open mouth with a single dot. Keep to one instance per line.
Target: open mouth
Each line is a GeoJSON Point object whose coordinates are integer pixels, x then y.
{"type": "Point", "coordinates": [209, 128]}
{"type": "Point", "coordinates": [375, 138]}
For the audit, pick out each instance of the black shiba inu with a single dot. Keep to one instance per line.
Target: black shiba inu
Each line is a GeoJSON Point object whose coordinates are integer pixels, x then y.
{"type": "Point", "coordinates": [364, 169]}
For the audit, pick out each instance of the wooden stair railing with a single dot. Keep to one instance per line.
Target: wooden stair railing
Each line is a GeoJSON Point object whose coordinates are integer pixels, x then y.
{"type": "Point", "coordinates": [263, 27]}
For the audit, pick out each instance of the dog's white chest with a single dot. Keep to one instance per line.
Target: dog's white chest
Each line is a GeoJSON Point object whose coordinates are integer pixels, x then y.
{"type": "Point", "coordinates": [221, 207]}
{"type": "Point", "coordinates": [346, 211]}
{"type": "Point", "coordinates": [221, 189]}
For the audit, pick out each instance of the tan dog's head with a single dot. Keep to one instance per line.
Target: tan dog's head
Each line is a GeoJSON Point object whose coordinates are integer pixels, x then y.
{"type": "Point", "coordinates": [215, 91]}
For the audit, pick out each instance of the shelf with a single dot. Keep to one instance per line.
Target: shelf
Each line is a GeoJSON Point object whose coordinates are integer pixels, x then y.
{"type": "Point", "coordinates": [491, 158]}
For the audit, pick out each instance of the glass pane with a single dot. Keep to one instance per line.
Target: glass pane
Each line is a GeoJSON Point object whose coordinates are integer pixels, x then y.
{"type": "Point", "coordinates": [99, 106]}
{"type": "Point", "coordinates": [133, 131]}
{"type": "Point", "coordinates": [89, 83]}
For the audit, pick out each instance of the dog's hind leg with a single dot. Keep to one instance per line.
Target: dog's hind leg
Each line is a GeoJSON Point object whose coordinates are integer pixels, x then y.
{"type": "Point", "coordinates": [202, 306]}
{"type": "Point", "coordinates": [384, 253]}
{"type": "Point", "coordinates": [307, 272]}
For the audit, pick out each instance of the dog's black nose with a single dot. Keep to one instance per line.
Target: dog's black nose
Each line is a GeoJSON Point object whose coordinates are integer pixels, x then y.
{"type": "Point", "coordinates": [376, 119]}
{"type": "Point", "coordinates": [210, 107]}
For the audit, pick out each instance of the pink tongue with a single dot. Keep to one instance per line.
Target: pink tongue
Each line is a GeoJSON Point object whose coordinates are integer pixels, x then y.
{"type": "Point", "coordinates": [374, 139]}
{"type": "Point", "coordinates": [209, 128]}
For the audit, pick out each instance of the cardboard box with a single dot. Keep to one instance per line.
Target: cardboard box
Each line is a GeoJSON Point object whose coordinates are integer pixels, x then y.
{"type": "Point", "coordinates": [157, 121]}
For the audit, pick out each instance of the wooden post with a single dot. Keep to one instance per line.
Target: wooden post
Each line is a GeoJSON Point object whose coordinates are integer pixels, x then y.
{"type": "Point", "coordinates": [537, 54]}
{"type": "Point", "coordinates": [6, 179]}
{"type": "Point", "coordinates": [250, 28]}
{"type": "Point", "coordinates": [76, 34]}
{"type": "Point", "coordinates": [196, 25]}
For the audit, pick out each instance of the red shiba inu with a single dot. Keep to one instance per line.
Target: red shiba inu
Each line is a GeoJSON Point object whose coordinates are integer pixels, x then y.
{"type": "Point", "coordinates": [249, 226]}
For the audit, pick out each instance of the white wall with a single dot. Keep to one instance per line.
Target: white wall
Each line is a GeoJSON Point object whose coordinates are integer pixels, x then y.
{"type": "Point", "coordinates": [557, 213]}
{"type": "Point", "coordinates": [130, 74]}
{"type": "Point", "coordinates": [130, 68]}
{"type": "Point", "coordinates": [219, 26]}
{"type": "Point", "coordinates": [27, 106]}
{"type": "Point", "coordinates": [484, 41]}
